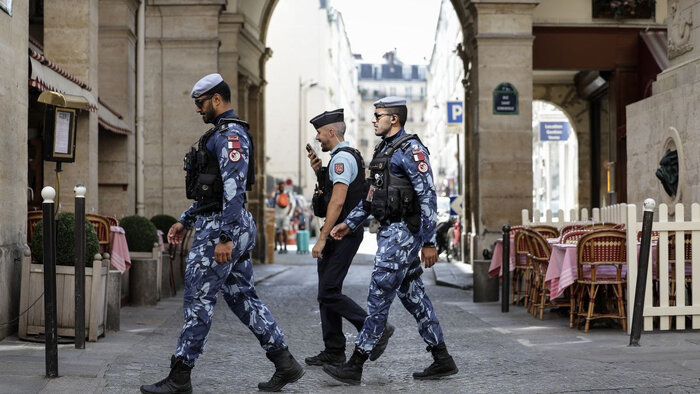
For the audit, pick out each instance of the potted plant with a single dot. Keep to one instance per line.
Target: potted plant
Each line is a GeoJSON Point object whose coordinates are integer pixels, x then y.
{"type": "Point", "coordinates": [32, 286]}
{"type": "Point", "coordinates": [144, 251]}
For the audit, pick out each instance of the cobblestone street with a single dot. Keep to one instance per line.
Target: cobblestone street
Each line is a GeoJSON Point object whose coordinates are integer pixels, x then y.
{"type": "Point", "coordinates": [495, 352]}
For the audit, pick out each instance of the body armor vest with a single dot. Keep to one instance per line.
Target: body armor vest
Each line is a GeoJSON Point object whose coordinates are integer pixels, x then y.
{"type": "Point", "coordinates": [391, 198]}
{"type": "Point", "coordinates": [203, 182]}
{"type": "Point", "coordinates": [356, 189]}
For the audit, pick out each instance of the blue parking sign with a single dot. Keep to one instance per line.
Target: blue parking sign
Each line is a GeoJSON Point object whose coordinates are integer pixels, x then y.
{"type": "Point", "coordinates": [455, 112]}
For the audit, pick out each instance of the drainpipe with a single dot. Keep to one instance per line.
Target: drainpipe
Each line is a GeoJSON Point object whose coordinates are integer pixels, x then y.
{"type": "Point", "coordinates": [140, 31]}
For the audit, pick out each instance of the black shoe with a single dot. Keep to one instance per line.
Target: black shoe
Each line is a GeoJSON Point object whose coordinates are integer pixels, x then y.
{"type": "Point", "coordinates": [349, 372]}
{"type": "Point", "coordinates": [443, 365]}
{"type": "Point", "coordinates": [381, 343]}
{"type": "Point", "coordinates": [287, 370]}
{"type": "Point", "coordinates": [178, 381]}
{"type": "Point", "coordinates": [326, 357]}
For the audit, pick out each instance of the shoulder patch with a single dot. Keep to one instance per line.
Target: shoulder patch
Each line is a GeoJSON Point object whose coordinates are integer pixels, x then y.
{"type": "Point", "coordinates": [339, 168]}
{"type": "Point", "coordinates": [423, 167]}
{"type": "Point", "coordinates": [418, 154]}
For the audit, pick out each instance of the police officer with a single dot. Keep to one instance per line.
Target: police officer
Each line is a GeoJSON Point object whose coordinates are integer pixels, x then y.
{"type": "Point", "coordinates": [219, 172]}
{"type": "Point", "coordinates": [341, 186]}
{"type": "Point", "coordinates": [402, 197]}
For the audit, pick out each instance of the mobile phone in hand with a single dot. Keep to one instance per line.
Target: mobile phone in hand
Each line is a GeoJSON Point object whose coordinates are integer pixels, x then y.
{"type": "Point", "coordinates": [310, 149]}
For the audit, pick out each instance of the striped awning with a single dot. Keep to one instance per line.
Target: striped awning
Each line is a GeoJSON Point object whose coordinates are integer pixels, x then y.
{"type": "Point", "coordinates": [46, 75]}
{"type": "Point", "coordinates": [111, 121]}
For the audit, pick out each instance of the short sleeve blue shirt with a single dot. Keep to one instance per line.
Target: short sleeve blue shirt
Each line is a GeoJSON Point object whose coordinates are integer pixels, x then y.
{"type": "Point", "coordinates": [343, 167]}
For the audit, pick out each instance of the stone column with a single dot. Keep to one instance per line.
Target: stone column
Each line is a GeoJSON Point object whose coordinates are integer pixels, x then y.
{"type": "Point", "coordinates": [70, 40]}
{"type": "Point", "coordinates": [256, 197]}
{"type": "Point", "coordinates": [117, 79]}
{"type": "Point", "coordinates": [13, 160]}
{"type": "Point", "coordinates": [500, 40]}
{"type": "Point", "coordinates": [230, 26]}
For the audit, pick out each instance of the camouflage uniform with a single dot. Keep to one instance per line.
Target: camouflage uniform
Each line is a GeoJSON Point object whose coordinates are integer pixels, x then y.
{"type": "Point", "coordinates": [204, 277]}
{"type": "Point", "coordinates": [397, 249]}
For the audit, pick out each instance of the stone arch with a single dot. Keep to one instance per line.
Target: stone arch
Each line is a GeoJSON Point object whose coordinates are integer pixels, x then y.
{"type": "Point", "coordinates": [564, 97]}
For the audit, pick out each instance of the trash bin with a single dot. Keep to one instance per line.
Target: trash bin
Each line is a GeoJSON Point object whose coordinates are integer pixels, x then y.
{"type": "Point", "coordinates": [485, 287]}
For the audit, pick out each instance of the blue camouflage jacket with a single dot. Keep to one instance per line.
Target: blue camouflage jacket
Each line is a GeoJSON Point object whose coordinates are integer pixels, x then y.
{"type": "Point", "coordinates": [412, 162]}
{"type": "Point", "coordinates": [231, 146]}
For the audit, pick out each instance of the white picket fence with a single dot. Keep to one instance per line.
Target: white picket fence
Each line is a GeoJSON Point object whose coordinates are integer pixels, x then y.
{"type": "Point", "coordinates": [629, 215]}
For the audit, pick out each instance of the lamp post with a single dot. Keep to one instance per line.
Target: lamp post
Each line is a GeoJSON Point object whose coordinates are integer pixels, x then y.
{"type": "Point", "coordinates": [304, 86]}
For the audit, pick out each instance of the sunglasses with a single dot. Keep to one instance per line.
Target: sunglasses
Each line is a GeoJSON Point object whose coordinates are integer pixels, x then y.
{"type": "Point", "coordinates": [378, 116]}
{"type": "Point", "coordinates": [200, 102]}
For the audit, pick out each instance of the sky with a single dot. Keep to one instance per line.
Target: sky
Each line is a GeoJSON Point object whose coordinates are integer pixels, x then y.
{"type": "Point", "coordinates": [378, 26]}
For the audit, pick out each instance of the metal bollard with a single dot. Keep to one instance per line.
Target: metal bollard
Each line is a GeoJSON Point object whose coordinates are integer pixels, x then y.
{"type": "Point", "coordinates": [642, 267]}
{"type": "Point", "coordinates": [80, 245]}
{"type": "Point", "coordinates": [50, 314]}
{"type": "Point", "coordinates": [505, 269]}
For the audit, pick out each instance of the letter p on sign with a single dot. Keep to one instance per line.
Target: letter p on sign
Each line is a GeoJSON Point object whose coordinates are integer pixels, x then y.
{"type": "Point", "coordinates": [455, 112]}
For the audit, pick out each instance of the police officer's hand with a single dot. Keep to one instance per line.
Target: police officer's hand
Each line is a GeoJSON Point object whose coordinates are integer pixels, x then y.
{"type": "Point", "coordinates": [318, 248]}
{"type": "Point", "coordinates": [222, 252]}
{"type": "Point", "coordinates": [339, 231]}
{"type": "Point", "coordinates": [315, 161]}
{"type": "Point", "coordinates": [429, 256]}
{"type": "Point", "coordinates": [176, 233]}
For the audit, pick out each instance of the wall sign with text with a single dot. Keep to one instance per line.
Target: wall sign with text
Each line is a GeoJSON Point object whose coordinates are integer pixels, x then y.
{"type": "Point", "coordinates": [505, 99]}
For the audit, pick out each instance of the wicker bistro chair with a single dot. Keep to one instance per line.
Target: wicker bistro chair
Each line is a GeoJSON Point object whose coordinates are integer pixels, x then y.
{"type": "Point", "coordinates": [601, 256]}
{"type": "Point", "coordinates": [572, 237]}
{"type": "Point", "coordinates": [601, 225]}
{"type": "Point", "coordinates": [33, 217]}
{"type": "Point", "coordinates": [546, 231]}
{"type": "Point", "coordinates": [569, 228]}
{"type": "Point", "coordinates": [523, 270]}
{"type": "Point", "coordinates": [539, 253]}
{"type": "Point", "coordinates": [101, 225]}
{"type": "Point", "coordinates": [687, 256]}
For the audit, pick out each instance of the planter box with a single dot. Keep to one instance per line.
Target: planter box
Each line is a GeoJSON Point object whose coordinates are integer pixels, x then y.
{"type": "Point", "coordinates": [145, 277]}
{"type": "Point", "coordinates": [32, 289]}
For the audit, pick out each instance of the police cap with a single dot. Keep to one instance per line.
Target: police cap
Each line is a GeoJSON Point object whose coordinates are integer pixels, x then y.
{"type": "Point", "coordinates": [207, 83]}
{"type": "Point", "coordinates": [390, 102]}
{"type": "Point", "coordinates": [327, 117]}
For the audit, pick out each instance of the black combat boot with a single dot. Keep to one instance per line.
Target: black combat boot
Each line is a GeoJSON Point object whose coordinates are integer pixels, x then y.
{"type": "Point", "coordinates": [443, 365]}
{"type": "Point", "coordinates": [381, 343]}
{"type": "Point", "coordinates": [178, 381]}
{"type": "Point", "coordinates": [351, 371]}
{"type": "Point", "coordinates": [326, 357]}
{"type": "Point", "coordinates": [287, 370]}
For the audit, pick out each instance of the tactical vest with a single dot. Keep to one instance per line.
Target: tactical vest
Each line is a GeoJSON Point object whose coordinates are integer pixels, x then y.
{"type": "Point", "coordinates": [203, 182]}
{"type": "Point", "coordinates": [391, 198]}
{"type": "Point", "coordinates": [356, 189]}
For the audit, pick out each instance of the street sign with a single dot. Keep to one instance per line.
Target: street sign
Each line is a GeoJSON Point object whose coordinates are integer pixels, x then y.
{"type": "Point", "coordinates": [554, 131]}
{"type": "Point", "coordinates": [456, 205]}
{"type": "Point", "coordinates": [455, 117]}
{"type": "Point", "coordinates": [505, 99]}
{"type": "Point", "coordinates": [455, 112]}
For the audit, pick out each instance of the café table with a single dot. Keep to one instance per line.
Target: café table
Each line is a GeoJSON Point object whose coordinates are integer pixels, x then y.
{"type": "Point", "coordinates": [120, 259]}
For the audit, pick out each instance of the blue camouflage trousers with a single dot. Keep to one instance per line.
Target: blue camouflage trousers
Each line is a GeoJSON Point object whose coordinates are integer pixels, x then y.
{"type": "Point", "coordinates": [204, 277]}
{"type": "Point", "coordinates": [397, 248]}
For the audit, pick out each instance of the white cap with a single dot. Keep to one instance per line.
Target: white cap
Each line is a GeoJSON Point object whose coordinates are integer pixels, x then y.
{"type": "Point", "coordinates": [206, 84]}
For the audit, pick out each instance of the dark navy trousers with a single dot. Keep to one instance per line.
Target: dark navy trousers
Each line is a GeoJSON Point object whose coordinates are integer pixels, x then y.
{"type": "Point", "coordinates": [333, 304]}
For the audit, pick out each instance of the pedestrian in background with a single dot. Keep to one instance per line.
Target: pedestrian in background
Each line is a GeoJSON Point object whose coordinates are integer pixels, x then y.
{"type": "Point", "coordinates": [402, 197]}
{"type": "Point", "coordinates": [341, 186]}
{"type": "Point", "coordinates": [219, 171]}
{"type": "Point", "coordinates": [284, 210]}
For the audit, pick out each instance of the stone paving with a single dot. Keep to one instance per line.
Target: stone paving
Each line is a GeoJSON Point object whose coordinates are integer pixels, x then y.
{"type": "Point", "coordinates": [496, 352]}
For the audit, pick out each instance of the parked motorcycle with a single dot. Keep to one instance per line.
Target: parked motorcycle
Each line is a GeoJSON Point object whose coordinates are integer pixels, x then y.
{"type": "Point", "coordinates": [443, 230]}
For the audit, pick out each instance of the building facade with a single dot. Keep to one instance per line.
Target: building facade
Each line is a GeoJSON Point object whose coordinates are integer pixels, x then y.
{"type": "Point", "coordinates": [391, 77]}
{"type": "Point", "coordinates": [303, 81]}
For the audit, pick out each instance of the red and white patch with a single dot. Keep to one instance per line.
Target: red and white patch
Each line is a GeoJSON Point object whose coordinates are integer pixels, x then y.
{"type": "Point", "coordinates": [339, 168]}
{"type": "Point", "coordinates": [234, 156]}
{"type": "Point", "coordinates": [418, 154]}
{"type": "Point", "coordinates": [423, 167]}
{"type": "Point", "coordinates": [370, 194]}
{"type": "Point", "coordinates": [233, 142]}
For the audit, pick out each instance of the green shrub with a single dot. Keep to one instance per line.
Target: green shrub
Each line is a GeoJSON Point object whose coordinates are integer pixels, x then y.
{"type": "Point", "coordinates": [163, 223]}
{"type": "Point", "coordinates": [65, 241]}
{"type": "Point", "coordinates": [140, 233]}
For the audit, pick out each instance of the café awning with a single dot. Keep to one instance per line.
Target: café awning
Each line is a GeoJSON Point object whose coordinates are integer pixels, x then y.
{"type": "Point", "coordinates": [46, 75]}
